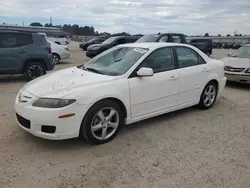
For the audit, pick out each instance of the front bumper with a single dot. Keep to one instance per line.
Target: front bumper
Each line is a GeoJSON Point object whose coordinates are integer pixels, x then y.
{"type": "Point", "coordinates": [34, 119]}
{"type": "Point", "coordinates": [239, 77]}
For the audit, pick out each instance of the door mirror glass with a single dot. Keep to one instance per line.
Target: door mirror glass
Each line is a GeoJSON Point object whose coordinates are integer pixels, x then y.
{"type": "Point", "coordinates": [145, 72]}
{"type": "Point", "coordinates": [229, 54]}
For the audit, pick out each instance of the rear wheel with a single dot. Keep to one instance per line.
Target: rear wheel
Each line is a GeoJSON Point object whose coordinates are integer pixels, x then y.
{"type": "Point", "coordinates": [34, 70]}
{"type": "Point", "coordinates": [56, 58]}
{"type": "Point", "coordinates": [208, 96]}
{"type": "Point", "coordinates": [102, 122]}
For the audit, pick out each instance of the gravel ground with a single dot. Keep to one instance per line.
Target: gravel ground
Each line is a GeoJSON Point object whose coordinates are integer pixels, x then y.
{"type": "Point", "coordinates": [185, 149]}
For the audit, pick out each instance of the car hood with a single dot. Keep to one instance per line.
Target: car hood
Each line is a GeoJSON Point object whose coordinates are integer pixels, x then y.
{"type": "Point", "coordinates": [64, 82]}
{"type": "Point", "coordinates": [236, 62]}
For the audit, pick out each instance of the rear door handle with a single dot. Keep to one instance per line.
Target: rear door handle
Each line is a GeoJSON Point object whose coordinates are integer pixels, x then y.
{"type": "Point", "coordinates": [171, 78]}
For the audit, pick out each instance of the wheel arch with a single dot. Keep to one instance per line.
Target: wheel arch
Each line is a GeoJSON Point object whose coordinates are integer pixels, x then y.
{"type": "Point", "coordinates": [116, 100]}
{"type": "Point", "coordinates": [57, 55]}
{"type": "Point", "coordinates": [27, 61]}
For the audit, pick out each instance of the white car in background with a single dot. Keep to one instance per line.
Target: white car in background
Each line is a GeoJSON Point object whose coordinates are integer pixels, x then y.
{"type": "Point", "coordinates": [59, 52]}
{"type": "Point", "coordinates": [61, 40]}
{"type": "Point", "coordinates": [237, 65]}
{"type": "Point", "coordinates": [123, 85]}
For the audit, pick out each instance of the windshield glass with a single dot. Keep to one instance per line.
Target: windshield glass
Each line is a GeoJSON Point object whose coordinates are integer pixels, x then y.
{"type": "Point", "coordinates": [109, 40]}
{"type": "Point", "coordinates": [92, 40]}
{"type": "Point", "coordinates": [242, 52]}
{"type": "Point", "coordinates": [116, 62]}
{"type": "Point", "coordinates": [148, 38]}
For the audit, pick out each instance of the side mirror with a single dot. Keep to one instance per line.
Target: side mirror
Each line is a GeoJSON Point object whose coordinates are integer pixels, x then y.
{"type": "Point", "coordinates": [229, 54]}
{"type": "Point", "coordinates": [145, 72]}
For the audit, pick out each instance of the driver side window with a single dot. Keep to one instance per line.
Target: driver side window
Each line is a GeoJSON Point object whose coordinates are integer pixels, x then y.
{"type": "Point", "coordinates": [159, 60]}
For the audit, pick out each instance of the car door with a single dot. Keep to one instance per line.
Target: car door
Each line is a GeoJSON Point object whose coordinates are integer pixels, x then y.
{"type": "Point", "coordinates": [193, 74]}
{"type": "Point", "coordinates": [12, 51]}
{"type": "Point", "coordinates": [158, 92]}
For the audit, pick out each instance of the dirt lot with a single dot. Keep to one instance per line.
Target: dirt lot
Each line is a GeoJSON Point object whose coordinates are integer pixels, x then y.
{"type": "Point", "coordinates": [185, 149]}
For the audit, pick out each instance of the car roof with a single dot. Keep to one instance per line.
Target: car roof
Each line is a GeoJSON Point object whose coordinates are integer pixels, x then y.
{"type": "Point", "coordinates": [124, 37]}
{"type": "Point", "coordinates": [153, 44]}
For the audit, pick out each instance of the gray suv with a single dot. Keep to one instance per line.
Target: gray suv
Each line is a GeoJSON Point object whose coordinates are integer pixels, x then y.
{"type": "Point", "coordinates": [25, 53]}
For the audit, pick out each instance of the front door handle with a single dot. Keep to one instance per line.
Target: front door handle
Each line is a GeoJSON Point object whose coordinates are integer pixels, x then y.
{"type": "Point", "coordinates": [171, 78]}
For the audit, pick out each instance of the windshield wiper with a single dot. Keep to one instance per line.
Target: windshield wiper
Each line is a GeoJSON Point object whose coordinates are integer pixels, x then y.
{"type": "Point", "coordinates": [91, 69]}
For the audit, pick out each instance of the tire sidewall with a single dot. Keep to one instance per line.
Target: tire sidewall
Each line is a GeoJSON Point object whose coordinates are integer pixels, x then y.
{"type": "Point", "coordinates": [31, 64]}
{"type": "Point", "coordinates": [85, 130]}
{"type": "Point", "coordinates": [57, 58]}
{"type": "Point", "coordinates": [201, 103]}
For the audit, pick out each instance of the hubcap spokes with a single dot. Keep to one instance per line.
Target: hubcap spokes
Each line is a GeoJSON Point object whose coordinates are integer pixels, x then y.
{"type": "Point", "coordinates": [105, 123]}
{"type": "Point", "coordinates": [209, 95]}
{"type": "Point", "coordinates": [35, 71]}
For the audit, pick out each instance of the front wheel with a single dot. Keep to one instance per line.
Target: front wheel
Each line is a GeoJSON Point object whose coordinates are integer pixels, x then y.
{"type": "Point", "coordinates": [34, 70]}
{"type": "Point", "coordinates": [208, 96]}
{"type": "Point", "coordinates": [102, 122]}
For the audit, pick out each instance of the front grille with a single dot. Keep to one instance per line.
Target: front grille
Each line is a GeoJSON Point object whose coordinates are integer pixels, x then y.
{"type": "Point", "coordinates": [233, 69]}
{"type": "Point", "coordinates": [24, 122]}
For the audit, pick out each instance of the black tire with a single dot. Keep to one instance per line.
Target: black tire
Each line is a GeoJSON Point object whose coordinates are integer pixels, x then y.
{"type": "Point", "coordinates": [56, 58]}
{"type": "Point", "coordinates": [202, 104]}
{"type": "Point", "coordinates": [86, 126]}
{"type": "Point", "coordinates": [34, 70]}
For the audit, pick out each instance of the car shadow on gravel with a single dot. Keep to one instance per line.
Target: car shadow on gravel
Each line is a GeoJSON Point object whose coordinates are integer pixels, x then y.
{"type": "Point", "coordinates": [156, 121]}
{"type": "Point", "coordinates": [236, 85]}
{"type": "Point", "coordinates": [58, 145]}
{"type": "Point", "coordinates": [12, 78]}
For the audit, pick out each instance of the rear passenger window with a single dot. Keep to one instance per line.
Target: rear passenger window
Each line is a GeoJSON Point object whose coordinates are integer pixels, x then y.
{"type": "Point", "coordinates": [176, 39]}
{"type": "Point", "coordinates": [121, 41]}
{"type": "Point", "coordinates": [160, 60]}
{"type": "Point", "coordinates": [13, 40]}
{"type": "Point", "coordinates": [164, 39]}
{"type": "Point", "coordinates": [186, 57]}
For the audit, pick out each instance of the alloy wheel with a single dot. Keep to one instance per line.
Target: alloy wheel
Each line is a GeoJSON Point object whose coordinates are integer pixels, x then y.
{"type": "Point", "coordinates": [105, 123]}
{"type": "Point", "coordinates": [35, 71]}
{"type": "Point", "coordinates": [209, 95]}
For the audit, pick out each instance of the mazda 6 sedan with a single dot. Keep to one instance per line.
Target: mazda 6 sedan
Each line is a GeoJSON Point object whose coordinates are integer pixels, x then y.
{"type": "Point", "coordinates": [123, 85]}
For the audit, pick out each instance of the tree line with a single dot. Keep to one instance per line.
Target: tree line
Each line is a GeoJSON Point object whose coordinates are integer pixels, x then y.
{"type": "Point", "coordinates": [78, 30]}
{"type": "Point", "coordinates": [90, 30]}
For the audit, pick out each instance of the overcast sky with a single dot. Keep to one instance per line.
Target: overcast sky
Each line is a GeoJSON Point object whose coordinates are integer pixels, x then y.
{"type": "Point", "coordinates": [135, 16]}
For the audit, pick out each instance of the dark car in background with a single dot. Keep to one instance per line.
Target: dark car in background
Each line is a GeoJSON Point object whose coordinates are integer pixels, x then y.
{"type": "Point", "coordinates": [208, 42]}
{"type": "Point", "coordinates": [25, 53]}
{"type": "Point", "coordinates": [204, 46]}
{"type": "Point", "coordinates": [96, 49]}
{"type": "Point", "coordinates": [85, 45]}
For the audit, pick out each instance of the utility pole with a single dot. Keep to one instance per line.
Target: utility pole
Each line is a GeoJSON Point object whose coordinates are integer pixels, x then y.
{"type": "Point", "coordinates": [50, 20]}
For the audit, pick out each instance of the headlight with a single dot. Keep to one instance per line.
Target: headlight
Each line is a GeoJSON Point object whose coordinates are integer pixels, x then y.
{"type": "Point", "coordinates": [53, 103]}
{"type": "Point", "coordinates": [248, 70]}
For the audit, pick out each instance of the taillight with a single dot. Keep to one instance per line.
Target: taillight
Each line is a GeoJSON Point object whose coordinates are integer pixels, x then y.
{"type": "Point", "coordinates": [66, 49]}
{"type": "Point", "coordinates": [48, 49]}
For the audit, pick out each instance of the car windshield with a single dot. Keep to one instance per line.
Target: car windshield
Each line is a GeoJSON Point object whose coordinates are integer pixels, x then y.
{"type": "Point", "coordinates": [109, 40]}
{"type": "Point", "coordinates": [148, 38]}
{"type": "Point", "coordinates": [242, 52]}
{"type": "Point", "coordinates": [92, 40]}
{"type": "Point", "coordinates": [116, 61]}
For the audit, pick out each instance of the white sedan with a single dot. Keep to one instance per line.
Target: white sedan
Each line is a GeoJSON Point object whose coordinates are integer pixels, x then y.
{"type": "Point", "coordinates": [59, 52]}
{"type": "Point", "coordinates": [123, 85]}
{"type": "Point", "coordinates": [237, 65]}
